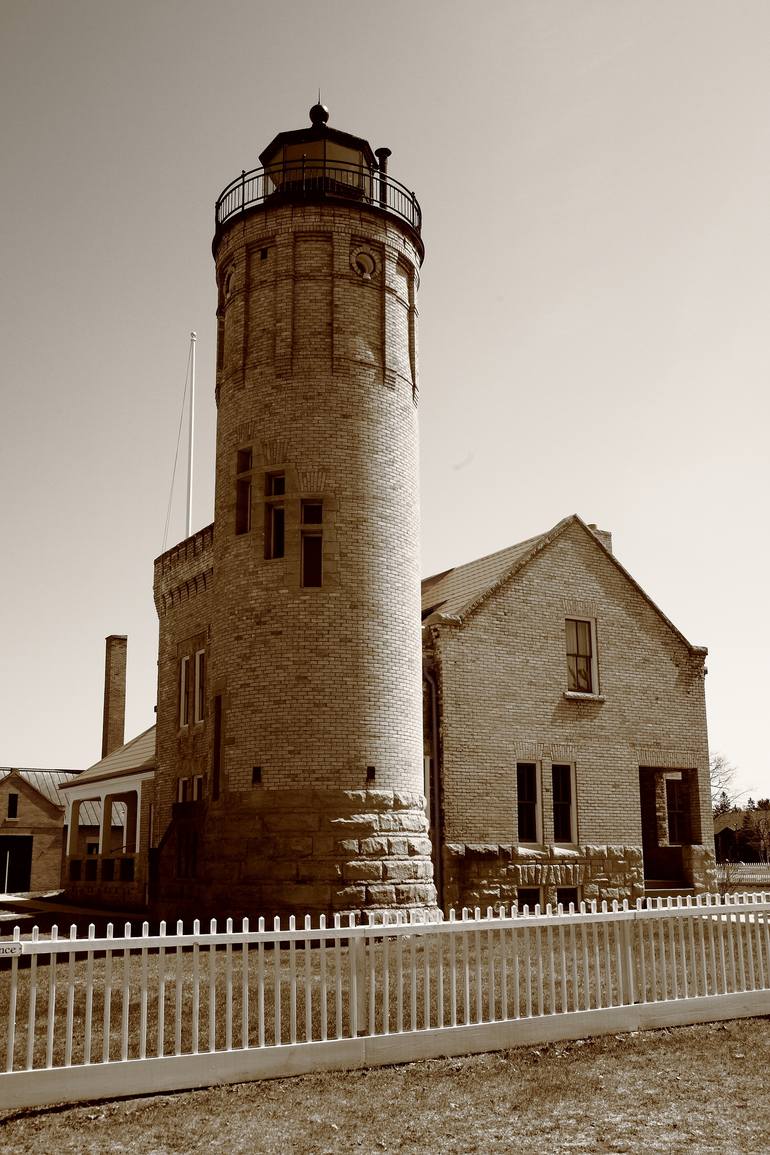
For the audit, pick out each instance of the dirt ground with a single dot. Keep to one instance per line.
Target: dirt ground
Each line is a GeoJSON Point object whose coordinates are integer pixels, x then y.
{"type": "Point", "coordinates": [691, 1090]}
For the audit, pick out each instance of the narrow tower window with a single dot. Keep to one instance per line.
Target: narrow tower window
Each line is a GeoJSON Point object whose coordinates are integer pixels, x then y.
{"type": "Point", "coordinates": [184, 688]}
{"type": "Point", "coordinates": [243, 491]}
{"type": "Point", "coordinates": [200, 686]}
{"type": "Point", "coordinates": [312, 544]}
{"type": "Point", "coordinates": [275, 489]}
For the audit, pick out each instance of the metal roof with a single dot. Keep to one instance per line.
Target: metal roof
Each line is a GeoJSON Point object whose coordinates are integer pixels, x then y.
{"type": "Point", "coordinates": [455, 589]}
{"type": "Point", "coordinates": [138, 754]}
{"type": "Point", "coordinates": [454, 593]}
{"type": "Point", "coordinates": [48, 783]}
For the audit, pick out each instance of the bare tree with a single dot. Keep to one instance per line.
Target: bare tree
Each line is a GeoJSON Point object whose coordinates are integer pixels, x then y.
{"type": "Point", "coordinates": [723, 789]}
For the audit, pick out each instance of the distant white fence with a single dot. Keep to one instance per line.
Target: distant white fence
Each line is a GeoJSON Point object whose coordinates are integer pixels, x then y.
{"type": "Point", "coordinates": [735, 874]}
{"type": "Point", "coordinates": [90, 1018]}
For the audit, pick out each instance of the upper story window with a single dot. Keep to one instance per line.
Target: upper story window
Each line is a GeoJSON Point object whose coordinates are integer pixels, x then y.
{"type": "Point", "coordinates": [192, 688]}
{"type": "Point", "coordinates": [199, 709]}
{"type": "Point", "coordinates": [581, 657]}
{"type": "Point", "coordinates": [13, 806]}
{"type": "Point", "coordinates": [311, 532]}
{"type": "Point", "coordinates": [184, 690]}
{"type": "Point", "coordinates": [275, 515]}
{"type": "Point", "coordinates": [243, 466]}
{"type": "Point", "coordinates": [564, 824]}
{"type": "Point", "coordinates": [528, 805]}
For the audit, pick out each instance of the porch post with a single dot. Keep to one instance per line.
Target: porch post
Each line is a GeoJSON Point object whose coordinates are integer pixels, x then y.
{"type": "Point", "coordinates": [72, 817]}
{"type": "Point", "coordinates": [105, 829]}
{"type": "Point", "coordinates": [131, 825]}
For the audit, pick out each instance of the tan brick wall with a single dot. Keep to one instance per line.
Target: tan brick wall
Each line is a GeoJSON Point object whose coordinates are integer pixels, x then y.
{"type": "Point", "coordinates": [502, 680]}
{"type": "Point", "coordinates": [183, 595]}
{"type": "Point", "coordinates": [319, 684]}
{"type": "Point", "coordinates": [316, 375]}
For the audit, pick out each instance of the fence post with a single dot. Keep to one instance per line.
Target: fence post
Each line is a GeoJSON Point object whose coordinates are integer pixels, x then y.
{"type": "Point", "coordinates": [358, 995]}
{"type": "Point", "coordinates": [627, 992]}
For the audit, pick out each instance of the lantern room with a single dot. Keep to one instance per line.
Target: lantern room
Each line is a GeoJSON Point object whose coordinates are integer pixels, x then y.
{"type": "Point", "coordinates": [330, 160]}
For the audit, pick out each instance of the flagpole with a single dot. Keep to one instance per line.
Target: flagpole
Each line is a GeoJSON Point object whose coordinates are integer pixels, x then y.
{"type": "Point", "coordinates": [193, 339]}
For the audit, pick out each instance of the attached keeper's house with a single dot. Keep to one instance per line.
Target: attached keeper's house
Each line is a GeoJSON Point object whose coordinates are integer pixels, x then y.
{"type": "Point", "coordinates": [565, 729]}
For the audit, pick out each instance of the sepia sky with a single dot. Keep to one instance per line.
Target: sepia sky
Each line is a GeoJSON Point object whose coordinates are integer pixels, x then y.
{"type": "Point", "coordinates": [595, 181]}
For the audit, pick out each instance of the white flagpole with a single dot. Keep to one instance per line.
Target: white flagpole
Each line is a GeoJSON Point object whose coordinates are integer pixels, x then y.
{"type": "Point", "coordinates": [193, 339]}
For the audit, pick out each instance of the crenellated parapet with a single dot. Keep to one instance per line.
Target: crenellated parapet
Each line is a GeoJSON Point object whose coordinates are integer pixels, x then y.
{"type": "Point", "coordinates": [184, 571]}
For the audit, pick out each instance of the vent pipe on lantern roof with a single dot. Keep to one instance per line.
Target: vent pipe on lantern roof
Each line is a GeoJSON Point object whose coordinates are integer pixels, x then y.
{"type": "Point", "coordinates": [382, 155]}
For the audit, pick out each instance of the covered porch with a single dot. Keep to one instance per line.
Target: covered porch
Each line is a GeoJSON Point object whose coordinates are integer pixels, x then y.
{"type": "Point", "coordinates": [111, 868]}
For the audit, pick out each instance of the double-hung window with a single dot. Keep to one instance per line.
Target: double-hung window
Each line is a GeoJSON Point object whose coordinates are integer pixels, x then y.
{"type": "Point", "coordinates": [581, 657]}
{"type": "Point", "coordinates": [528, 804]}
{"type": "Point", "coordinates": [564, 825]}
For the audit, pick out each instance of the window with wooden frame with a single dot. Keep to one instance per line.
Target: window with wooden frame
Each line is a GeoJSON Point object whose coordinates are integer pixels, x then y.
{"type": "Point", "coordinates": [184, 691]}
{"type": "Point", "coordinates": [564, 824]}
{"type": "Point", "coordinates": [528, 802]}
{"type": "Point", "coordinates": [243, 464]}
{"type": "Point", "coordinates": [199, 708]}
{"type": "Point", "coordinates": [581, 656]}
{"type": "Point", "coordinates": [311, 535]}
{"type": "Point", "coordinates": [13, 806]}
{"type": "Point", "coordinates": [678, 807]}
{"type": "Point", "coordinates": [275, 515]}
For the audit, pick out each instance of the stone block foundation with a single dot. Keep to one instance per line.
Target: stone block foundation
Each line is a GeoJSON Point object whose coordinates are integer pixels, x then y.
{"type": "Point", "coordinates": [482, 874]}
{"type": "Point", "coordinates": [491, 874]}
{"type": "Point", "coordinates": [314, 851]}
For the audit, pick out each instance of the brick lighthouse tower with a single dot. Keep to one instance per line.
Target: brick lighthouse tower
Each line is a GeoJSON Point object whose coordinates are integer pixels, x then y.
{"type": "Point", "coordinates": [311, 799]}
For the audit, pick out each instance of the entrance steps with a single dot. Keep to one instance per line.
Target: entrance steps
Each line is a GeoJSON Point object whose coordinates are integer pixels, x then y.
{"type": "Point", "coordinates": [663, 887]}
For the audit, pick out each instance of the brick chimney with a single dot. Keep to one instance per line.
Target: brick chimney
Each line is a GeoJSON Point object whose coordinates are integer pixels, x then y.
{"type": "Point", "coordinates": [114, 693]}
{"type": "Point", "coordinates": [604, 535]}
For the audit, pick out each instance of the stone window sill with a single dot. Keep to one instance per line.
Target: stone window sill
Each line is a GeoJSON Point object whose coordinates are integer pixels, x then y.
{"type": "Point", "coordinates": [575, 696]}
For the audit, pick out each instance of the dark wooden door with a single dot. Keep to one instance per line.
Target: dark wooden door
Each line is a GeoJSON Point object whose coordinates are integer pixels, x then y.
{"type": "Point", "coordinates": [15, 862]}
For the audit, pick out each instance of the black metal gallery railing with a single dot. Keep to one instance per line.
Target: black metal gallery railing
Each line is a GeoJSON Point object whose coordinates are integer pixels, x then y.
{"type": "Point", "coordinates": [310, 179]}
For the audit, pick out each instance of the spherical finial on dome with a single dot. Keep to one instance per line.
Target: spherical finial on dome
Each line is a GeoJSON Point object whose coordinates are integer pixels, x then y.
{"type": "Point", "coordinates": [319, 114]}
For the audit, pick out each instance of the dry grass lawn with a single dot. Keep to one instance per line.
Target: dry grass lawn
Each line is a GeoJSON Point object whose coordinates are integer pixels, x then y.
{"type": "Point", "coordinates": [691, 1090]}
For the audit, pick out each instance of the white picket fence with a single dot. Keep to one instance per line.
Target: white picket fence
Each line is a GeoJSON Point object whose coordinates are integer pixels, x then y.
{"type": "Point", "coordinates": [736, 874]}
{"type": "Point", "coordinates": [90, 1018]}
